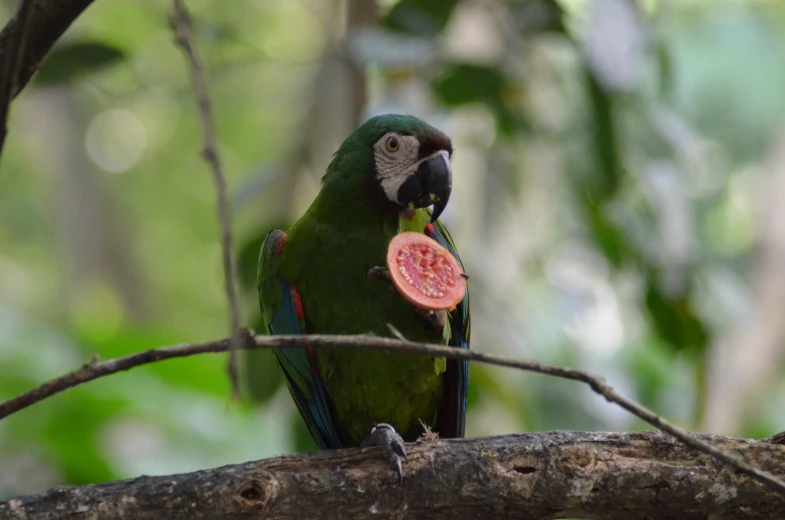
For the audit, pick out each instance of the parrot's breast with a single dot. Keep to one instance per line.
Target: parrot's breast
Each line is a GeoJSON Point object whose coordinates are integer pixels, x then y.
{"type": "Point", "coordinates": [339, 297]}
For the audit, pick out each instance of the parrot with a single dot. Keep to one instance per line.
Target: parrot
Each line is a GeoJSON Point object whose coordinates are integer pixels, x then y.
{"type": "Point", "coordinates": [326, 275]}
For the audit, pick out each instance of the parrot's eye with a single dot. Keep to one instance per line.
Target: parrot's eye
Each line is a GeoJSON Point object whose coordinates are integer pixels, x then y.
{"type": "Point", "coordinates": [392, 144]}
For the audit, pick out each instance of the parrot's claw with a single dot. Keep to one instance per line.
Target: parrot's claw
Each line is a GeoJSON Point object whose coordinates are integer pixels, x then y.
{"type": "Point", "coordinates": [380, 273]}
{"type": "Point", "coordinates": [391, 444]}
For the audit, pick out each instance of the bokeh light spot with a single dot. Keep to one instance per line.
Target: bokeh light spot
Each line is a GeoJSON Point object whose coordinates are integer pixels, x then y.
{"type": "Point", "coordinates": [116, 140]}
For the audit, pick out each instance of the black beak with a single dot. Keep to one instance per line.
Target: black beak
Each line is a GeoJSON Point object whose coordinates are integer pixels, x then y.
{"type": "Point", "coordinates": [431, 184]}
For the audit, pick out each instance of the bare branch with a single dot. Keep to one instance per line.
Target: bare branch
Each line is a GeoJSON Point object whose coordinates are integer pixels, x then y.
{"type": "Point", "coordinates": [181, 25]}
{"type": "Point", "coordinates": [93, 370]}
{"type": "Point", "coordinates": [26, 40]}
{"type": "Point", "coordinates": [612, 476]}
{"type": "Point", "coordinates": [45, 24]}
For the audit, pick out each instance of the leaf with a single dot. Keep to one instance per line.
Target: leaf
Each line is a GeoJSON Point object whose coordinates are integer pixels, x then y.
{"type": "Point", "coordinates": [674, 319]}
{"type": "Point", "coordinates": [605, 145]}
{"type": "Point", "coordinates": [424, 18]}
{"type": "Point", "coordinates": [606, 235]}
{"type": "Point", "coordinates": [71, 61]}
{"type": "Point", "coordinates": [465, 83]}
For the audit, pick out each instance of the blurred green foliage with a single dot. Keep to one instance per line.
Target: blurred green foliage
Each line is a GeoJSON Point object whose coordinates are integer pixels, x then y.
{"type": "Point", "coordinates": [607, 223]}
{"type": "Point", "coordinates": [68, 62]}
{"type": "Point", "coordinates": [426, 19]}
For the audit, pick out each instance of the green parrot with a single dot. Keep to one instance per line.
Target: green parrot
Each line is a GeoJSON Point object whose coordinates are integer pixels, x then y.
{"type": "Point", "coordinates": [326, 275]}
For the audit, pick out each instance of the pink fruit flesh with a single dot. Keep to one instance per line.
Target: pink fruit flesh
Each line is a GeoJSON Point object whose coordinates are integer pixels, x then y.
{"type": "Point", "coordinates": [424, 272]}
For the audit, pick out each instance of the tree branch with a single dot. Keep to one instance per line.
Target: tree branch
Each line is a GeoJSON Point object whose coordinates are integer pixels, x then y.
{"type": "Point", "coordinates": [612, 476]}
{"type": "Point", "coordinates": [181, 25]}
{"type": "Point", "coordinates": [46, 24]}
{"type": "Point", "coordinates": [26, 40]}
{"type": "Point", "coordinates": [94, 370]}
{"type": "Point", "coordinates": [13, 62]}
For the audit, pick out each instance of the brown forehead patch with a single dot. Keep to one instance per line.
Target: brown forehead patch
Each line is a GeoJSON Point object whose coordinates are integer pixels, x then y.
{"type": "Point", "coordinates": [432, 141]}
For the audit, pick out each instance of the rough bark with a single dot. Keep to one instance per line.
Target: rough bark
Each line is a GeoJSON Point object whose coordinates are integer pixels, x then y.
{"type": "Point", "coordinates": [524, 476]}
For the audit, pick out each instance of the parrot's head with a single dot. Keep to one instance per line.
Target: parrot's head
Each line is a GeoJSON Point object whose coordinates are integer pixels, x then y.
{"type": "Point", "coordinates": [406, 162]}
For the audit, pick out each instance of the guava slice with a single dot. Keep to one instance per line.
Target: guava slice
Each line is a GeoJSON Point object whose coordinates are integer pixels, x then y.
{"type": "Point", "coordinates": [424, 272]}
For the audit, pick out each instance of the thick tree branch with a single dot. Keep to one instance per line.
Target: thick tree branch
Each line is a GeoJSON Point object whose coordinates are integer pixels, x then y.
{"type": "Point", "coordinates": [13, 62]}
{"type": "Point", "coordinates": [525, 476]}
{"type": "Point", "coordinates": [45, 25]}
{"type": "Point", "coordinates": [181, 25]}
{"type": "Point", "coordinates": [94, 370]}
{"type": "Point", "coordinates": [26, 40]}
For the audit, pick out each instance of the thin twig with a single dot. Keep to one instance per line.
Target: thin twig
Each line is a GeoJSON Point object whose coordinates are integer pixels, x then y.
{"type": "Point", "coordinates": [93, 370]}
{"type": "Point", "coordinates": [12, 64]}
{"type": "Point", "coordinates": [181, 25]}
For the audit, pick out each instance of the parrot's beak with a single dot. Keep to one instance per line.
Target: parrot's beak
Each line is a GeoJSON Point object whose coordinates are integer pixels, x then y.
{"type": "Point", "coordinates": [430, 184]}
{"type": "Point", "coordinates": [436, 177]}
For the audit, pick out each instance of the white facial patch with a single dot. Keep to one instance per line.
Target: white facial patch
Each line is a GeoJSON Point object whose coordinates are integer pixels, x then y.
{"type": "Point", "coordinates": [394, 167]}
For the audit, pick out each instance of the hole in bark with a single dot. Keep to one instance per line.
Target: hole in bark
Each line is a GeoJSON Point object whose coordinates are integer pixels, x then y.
{"type": "Point", "coordinates": [253, 493]}
{"type": "Point", "coordinates": [524, 470]}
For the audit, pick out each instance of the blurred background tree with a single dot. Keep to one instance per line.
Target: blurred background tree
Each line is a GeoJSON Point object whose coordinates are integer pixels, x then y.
{"type": "Point", "coordinates": [619, 170]}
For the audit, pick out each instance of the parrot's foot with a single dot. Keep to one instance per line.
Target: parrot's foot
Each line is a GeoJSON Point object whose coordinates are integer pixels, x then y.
{"type": "Point", "coordinates": [391, 444]}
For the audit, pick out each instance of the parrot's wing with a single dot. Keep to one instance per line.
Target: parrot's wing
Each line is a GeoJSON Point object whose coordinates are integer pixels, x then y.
{"type": "Point", "coordinates": [451, 420]}
{"type": "Point", "coordinates": [283, 314]}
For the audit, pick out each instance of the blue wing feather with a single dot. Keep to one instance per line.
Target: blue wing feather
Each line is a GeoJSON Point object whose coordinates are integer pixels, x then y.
{"type": "Point", "coordinates": [451, 421]}
{"type": "Point", "coordinates": [279, 309]}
